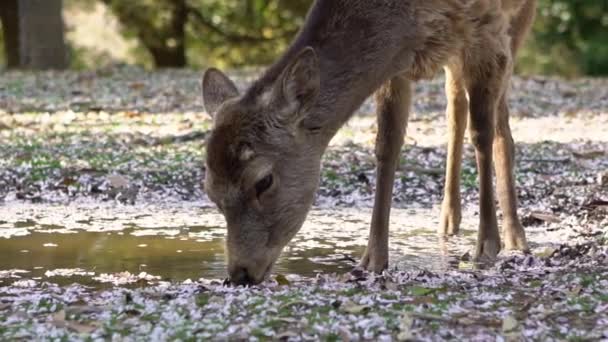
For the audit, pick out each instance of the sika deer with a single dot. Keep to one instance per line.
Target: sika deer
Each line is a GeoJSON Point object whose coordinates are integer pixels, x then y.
{"type": "Point", "coordinates": [264, 153]}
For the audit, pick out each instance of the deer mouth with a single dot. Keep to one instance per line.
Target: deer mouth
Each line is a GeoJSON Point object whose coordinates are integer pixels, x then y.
{"type": "Point", "coordinates": [241, 276]}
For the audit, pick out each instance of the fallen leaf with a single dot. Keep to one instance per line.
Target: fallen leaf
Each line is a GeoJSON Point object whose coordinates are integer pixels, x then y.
{"type": "Point", "coordinates": [217, 300]}
{"type": "Point", "coordinates": [420, 291]}
{"type": "Point", "coordinates": [281, 280]}
{"type": "Point", "coordinates": [288, 320]}
{"type": "Point", "coordinates": [132, 312]}
{"type": "Point", "coordinates": [294, 303]}
{"type": "Point", "coordinates": [59, 317]}
{"type": "Point", "coordinates": [576, 290]}
{"type": "Point", "coordinates": [118, 181]}
{"type": "Point", "coordinates": [596, 204]}
{"type": "Point", "coordinates": [509, 324]}
{"type": "Point", "coordinates": [286, 335]}
{"type": "Point", "coordinates": [391, 285]}
{"type": "Point", "coordinates": [81, 328]}
{"type": "Point", "coordinates": [345, 334]}
{"type": "Point", "coordinates": [421, 300]}
{"type": "Point", "coordinates": [354, 308]}
{"type": "Point", "coordinates": [546, 217]}
{"type": "Point", "coordinates": [602, 178]}
{"type": "Point", "coordinates": [405, 327]}
{"type": "Point", "coordinates": [588, 154]}
{"type": "Point", "coordinates": [82, 310]}
{"type": "Point", "coordinates": [545, 253]}
{"type": "Point", "coordinates": [136, 85]}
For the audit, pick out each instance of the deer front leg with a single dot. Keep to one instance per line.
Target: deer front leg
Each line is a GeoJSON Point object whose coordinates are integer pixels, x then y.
{"type": "Point", "coordinates": [485, 89]}
{"type": "Point", "coordinates": [504, 151]}
{"type": "Point", "coordinates": [393, 102]}
{"type": "Point", "coordinates": [456, 113]}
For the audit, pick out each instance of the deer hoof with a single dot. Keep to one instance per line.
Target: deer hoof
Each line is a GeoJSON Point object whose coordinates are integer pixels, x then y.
{"type": "Point", "coordinates": [373, 263]}
{"type": "Point", "coordinates": [515, 238]}
{"type": "Point", "coordinates": [487, 250]}
{"type": "Point", "coordinates": [449, 221]}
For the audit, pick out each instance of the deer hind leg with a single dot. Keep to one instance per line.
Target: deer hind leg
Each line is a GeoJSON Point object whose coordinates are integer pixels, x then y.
{"type": "Point", "coordinates": [513, 232]}
{"type": "Point", "coordinates": [504, 150]}
{"type": "Point", "coordinates": [393, 102]}
{"type": "Point", "coordinates": [485, 85]}
{"type": "Point", "coordinates": [456, 112]}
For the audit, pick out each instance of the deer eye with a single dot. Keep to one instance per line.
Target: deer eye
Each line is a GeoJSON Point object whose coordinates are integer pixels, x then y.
{"type": "Point", "coordinates": [262, 185]}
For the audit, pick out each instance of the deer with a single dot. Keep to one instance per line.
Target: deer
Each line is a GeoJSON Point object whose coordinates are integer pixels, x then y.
{"type": "Point", "coordinates": [266, 144]}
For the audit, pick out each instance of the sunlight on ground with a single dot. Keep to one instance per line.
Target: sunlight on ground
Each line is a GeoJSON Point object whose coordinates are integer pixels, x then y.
{"type": "Point", "coordinates": [433, 131]}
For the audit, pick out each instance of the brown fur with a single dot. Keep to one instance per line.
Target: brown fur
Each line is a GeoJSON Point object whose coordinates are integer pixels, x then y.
{"type": "Point", "coordinates": [265, 149]}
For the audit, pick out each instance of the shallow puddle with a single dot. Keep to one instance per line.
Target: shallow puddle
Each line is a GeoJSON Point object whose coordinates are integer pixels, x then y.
{"type": "Point", "coordinates": [81, 242]}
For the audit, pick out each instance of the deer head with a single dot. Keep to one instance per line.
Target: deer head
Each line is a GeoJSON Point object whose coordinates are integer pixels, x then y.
{"type": "Point", "coordinates": [262, 166]}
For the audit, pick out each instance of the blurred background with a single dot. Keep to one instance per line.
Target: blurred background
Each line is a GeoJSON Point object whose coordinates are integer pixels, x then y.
{"type": "Point", "coordinates": [570, 37]}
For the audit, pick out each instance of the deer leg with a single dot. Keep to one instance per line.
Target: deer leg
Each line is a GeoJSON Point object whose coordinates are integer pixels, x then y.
{"type": "Point", "coordinates": [485, 87]}
{"type": "Point", "coordinates": [393, 102]}
{"type": "Point", "coordinates": [456, 112]}
{"type": "Point", "coordinates": [504, 150]}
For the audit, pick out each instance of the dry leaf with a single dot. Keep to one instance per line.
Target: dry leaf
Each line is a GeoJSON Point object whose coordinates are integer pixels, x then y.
{"type": "Point", "coordinates": [405, 328]}
{"type": "Point", "coordinates": [281, 280]}
{"type": "Point", "coordinates": [546, 253]}
{"type": "Point", "coordinates": [354, 308]}
{"type": "Point", "coordinates": [118, 181]}
{"type": "Point", "coordinates": [81, 328]}
{"type": "Point", "coordinates": [509, 324]}
{"type": "Point", "coordinates": [545, 217]}
{"type": "Point", "coordinates": [588, 154]}
{"type": "Point", "coordinates": [420, 291]}
{"type": "Point", "coordinates": [59, 317]}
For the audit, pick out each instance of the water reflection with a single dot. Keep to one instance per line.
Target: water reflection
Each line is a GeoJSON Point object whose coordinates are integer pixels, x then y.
{"type": "Point", "coordinates": [186, 242]}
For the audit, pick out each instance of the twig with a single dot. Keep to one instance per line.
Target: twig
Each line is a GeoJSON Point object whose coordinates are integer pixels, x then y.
{"type": "Point", "coordinates": [546, 160]}
{"type": "Point", "coordinates": [422, 170]}
{"type": "Point", "coordinates": [430, 317]}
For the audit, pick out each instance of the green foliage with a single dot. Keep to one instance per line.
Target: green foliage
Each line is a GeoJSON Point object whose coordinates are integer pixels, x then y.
{"type": "Point", "coordinates": [219, 32]}
{"type": "Point", "coordinates": [239, 33]}
{"type": "Point", "coordinates": [2, 53]}
{"type": "Point", "coordinates": [569, 39]}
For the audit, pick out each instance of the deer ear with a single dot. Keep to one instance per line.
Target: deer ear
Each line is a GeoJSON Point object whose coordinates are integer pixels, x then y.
{"type": "Point", "coordinates": [217, 88]}
{"type": "Point", "coordinates": [301, 81]}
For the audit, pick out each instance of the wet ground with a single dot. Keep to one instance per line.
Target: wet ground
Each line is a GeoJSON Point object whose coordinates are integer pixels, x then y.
{"type": "Point", "coordinates": [86, 242]}
{"type": "Point", "coordinates": [52, 242]}
{"type": "Point", "coordinates": [105, 231]}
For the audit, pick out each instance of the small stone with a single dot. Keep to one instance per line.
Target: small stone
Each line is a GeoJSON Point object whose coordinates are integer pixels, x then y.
{"type": "Point", "coordinates": [602, 178]}
{"type": "Point", "coordinates": [509, 324]}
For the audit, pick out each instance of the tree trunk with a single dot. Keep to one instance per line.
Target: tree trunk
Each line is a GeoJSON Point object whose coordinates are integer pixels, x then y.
{"type": "Point", "coordinates": [33, 31]}
{"type": "Point", "coordinates": [171, 53]}
{"type": "Point", "coordinates": [41, 36]}
{"type": "Point", "coordinates": [10, 25]}
{"type": "Point", "coordinates": [166, 57]}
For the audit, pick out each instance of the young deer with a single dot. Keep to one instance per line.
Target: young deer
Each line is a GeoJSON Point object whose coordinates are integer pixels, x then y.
{"type": "Point", "coordinates": [264, 153]}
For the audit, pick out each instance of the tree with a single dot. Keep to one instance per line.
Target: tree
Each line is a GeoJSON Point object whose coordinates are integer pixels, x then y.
{"type": "Point", "coordinates": [243, 32]}
{"type": "Point", "coordinates": [10, 25]}
{"type": "Point", "coordinates": [34, 34]}
{"type": "Point", "coordinates": [158, 25]}
{"type": "Point", "coordinates": [569, 38]}
{"type": "Point", "coordinates": [237, 32]}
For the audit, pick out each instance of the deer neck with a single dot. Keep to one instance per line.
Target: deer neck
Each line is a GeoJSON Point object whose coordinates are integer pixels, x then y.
{"type": "Point", "coordinates": [354, 59]}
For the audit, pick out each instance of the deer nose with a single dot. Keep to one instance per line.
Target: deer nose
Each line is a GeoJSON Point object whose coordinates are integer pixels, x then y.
{"type": "Point", "coordinates": [240, 276]}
